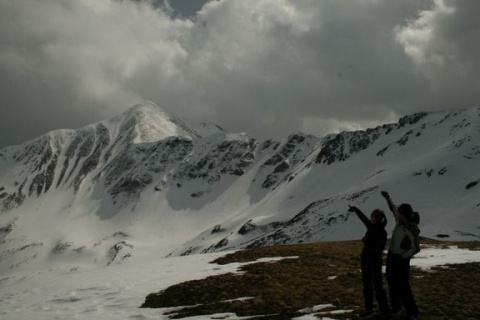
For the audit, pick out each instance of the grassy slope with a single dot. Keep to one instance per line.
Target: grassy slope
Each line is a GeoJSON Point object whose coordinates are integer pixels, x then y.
{"type": "Point", "coordinates": [281, 288]}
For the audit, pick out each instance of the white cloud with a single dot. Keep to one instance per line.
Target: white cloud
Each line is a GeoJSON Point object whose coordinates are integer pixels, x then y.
{"type": "Point", "coordinates": [420, 37]}
{"type": "Point", "coordinates": [441, 41]}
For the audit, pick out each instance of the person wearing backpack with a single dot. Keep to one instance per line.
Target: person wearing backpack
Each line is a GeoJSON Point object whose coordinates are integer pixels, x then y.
{"type": "Point", "coordinates": [374, 243]}
{"type": "Point", "coordinates": [404, 243]}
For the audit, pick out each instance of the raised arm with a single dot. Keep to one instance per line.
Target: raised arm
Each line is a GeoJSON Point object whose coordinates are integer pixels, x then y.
{"type": "Point", "coordinates": [361, 215]}
{"type": "Point", "coordinates": [390, 203]}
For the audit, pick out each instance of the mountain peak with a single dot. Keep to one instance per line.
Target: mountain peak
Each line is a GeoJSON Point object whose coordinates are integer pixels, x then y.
{"type": "Point", "coordinates": [149, 123]}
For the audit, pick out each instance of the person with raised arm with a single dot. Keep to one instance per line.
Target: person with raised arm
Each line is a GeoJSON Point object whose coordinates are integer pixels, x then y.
{"type": "Point", "coordinates": [374, 243]}
{"type": "Point", "coordinates": [403, 245]}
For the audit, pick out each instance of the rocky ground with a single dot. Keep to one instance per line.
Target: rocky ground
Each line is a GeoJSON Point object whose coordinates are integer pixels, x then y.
{"type": "Point", "coordinates": [320, 273]}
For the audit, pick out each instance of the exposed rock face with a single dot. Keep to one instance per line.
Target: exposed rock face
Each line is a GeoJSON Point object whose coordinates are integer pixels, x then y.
{"type": "Point", "coordinates": [125, 156]}
{"type": "Point", "coordinates": [342, 146]}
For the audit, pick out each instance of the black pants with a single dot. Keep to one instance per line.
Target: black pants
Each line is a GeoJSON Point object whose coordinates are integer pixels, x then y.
{"type": "Point", "coordinates": [373, 284]}
{"type": "Point", "coordinates": [398, 278]}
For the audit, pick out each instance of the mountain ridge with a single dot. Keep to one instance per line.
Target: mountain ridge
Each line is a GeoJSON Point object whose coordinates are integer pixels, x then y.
{"type": "Point", "coordinates": [110, 191]}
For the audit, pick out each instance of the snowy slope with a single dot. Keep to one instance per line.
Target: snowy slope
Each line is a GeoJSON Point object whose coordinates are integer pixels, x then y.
{"type": "Point", "coordinates": [145, 182]}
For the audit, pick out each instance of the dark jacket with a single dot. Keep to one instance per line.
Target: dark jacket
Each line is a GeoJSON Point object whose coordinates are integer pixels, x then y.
{"type": "Point", "coordinates": [375, 239]}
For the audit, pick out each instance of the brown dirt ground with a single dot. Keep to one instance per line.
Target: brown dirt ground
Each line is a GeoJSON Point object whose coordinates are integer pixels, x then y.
{"type": "Point", "coordinates": [279, 289]}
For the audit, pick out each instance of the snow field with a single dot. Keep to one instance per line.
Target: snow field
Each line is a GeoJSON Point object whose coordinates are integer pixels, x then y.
{"type": "Point", "coordinates": [117, 292]}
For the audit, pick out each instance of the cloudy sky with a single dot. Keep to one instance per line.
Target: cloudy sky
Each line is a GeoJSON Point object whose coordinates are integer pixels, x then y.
{"type": "Point", "coordinates": [266, 67]}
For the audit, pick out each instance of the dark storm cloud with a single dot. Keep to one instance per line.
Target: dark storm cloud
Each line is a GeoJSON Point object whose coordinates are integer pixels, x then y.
{"type": "Point", "coordinates": [267, 67]}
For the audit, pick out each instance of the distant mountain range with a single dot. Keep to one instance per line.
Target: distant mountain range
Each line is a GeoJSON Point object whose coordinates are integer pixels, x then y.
{"type": "Point", "coordinates": [145, 181]}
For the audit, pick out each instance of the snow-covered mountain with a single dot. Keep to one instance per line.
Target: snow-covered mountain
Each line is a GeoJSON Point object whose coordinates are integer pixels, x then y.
{"type": "Point", "coordinates": [145, 181]}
